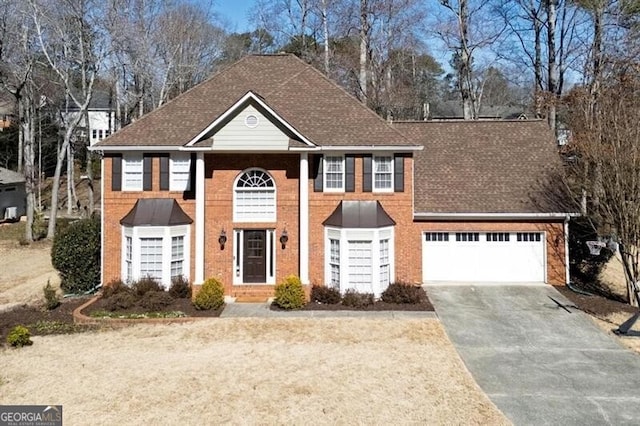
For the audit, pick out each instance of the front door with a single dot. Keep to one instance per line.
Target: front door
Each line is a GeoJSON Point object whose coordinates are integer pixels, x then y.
{"type": "Point", "coordinates": [255, 256]}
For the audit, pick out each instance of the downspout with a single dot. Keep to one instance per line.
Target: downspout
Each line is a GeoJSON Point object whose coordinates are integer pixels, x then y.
{"type": "Point", "coordinates": [567, 278]}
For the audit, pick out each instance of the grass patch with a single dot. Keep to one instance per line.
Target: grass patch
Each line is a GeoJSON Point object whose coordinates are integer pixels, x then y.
{"type": "Point", "coordinates": [107, 314]}
{"type": "Point", "coordinates": [54, 327]}
{"type": "Point", "coordinates": [12, 231]}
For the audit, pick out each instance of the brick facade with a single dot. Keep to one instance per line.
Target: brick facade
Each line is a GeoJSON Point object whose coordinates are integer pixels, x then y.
{"type": "Point", "coordinates": [221, 171]}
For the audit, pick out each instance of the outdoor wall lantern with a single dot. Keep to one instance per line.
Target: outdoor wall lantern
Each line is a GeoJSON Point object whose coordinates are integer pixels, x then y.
{"type": "Point", "coordinates": [222, 239]}
{"type": "Point", "coordinates": [284, 238]}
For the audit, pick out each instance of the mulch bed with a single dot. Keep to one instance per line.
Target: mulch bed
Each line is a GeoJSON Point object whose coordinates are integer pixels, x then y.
{"type": "Point", "coordinates": [60, 319]}
{"type": "Point", "coordinates": [595, 305]}
{"type": "Point", "coordinates": [183, 305]}
{"type": "Point", "coordinates": [377, 306]}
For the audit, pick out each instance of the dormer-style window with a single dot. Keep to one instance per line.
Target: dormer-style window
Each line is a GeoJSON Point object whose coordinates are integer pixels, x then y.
{"type": "Point", "coordinates": [334, 173]}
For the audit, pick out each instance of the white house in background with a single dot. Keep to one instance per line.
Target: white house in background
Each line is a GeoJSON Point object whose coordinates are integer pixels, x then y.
{"type": "Point", "coordinates": [102, 118]}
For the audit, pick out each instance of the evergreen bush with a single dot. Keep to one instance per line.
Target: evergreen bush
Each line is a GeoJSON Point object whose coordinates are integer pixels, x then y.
{"type": "Point", "coordinates": [19, 336]}
{"type": "Point", "coordinates": [290, 293]}
{"type": "Point", "coordinates": [76, 255]}
{"type": "Point", "coordinates": [210, 296]}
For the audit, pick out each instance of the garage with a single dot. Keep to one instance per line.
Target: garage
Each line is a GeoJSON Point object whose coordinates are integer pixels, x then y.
{"type": "Point", "coordinates": [483, 256]}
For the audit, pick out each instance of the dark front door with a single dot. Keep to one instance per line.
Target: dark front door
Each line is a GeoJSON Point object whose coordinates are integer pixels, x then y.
{"type": "Point", "coordinates": [255, 256]}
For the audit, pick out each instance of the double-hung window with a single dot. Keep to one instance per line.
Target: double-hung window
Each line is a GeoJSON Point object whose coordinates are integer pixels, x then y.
{"type": "Point", "coordinates": [180, 170]}
{"type": "Point", "coordinates": [132, 173]}
{"type": "Point", "coordinates": [128, 259]}
{"type": "Point", "coordinates": [384, 263]}
{"type": "Point", "coordinates": [177, 256]}
{"type": "Point", "coordinates": [151, 258]}
{"type": "Point", "coordinates": [334, 262]}
{"type": "Point", "coordinates": [383, 173]}
{"type": "Point", "coordinates": [334, 173]}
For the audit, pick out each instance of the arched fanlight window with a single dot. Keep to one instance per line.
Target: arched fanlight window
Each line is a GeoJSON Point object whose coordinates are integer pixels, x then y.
{"type": "Point", "coordinates": [254, 197]}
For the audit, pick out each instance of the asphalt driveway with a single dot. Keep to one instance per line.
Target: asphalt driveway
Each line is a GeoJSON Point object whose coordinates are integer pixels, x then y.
{"type": "Point", "coordinates": [537, 362]}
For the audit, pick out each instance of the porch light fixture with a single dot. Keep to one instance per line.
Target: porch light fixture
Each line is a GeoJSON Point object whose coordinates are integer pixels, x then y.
{"type": "Point", "coordinates": [284, 238]}
{"type": "Point", "coordinates": [222, 239]}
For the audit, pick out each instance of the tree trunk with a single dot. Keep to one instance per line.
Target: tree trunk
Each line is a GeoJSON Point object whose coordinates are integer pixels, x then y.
{"type": "Point", "coordinates": [552, 64]}
{"type": "Point", "coordinates": [55, 187]}
{"type": "Point", "coordinates": [90, 195]}
{"type": "Point", "coordinates": [26, 128]}
{"type": "Point", "coordinates": [537, 62]}
{"type": "Point", "coordinates": [325, 32]}
{"type": "Point", "coordinates": [364, 50]}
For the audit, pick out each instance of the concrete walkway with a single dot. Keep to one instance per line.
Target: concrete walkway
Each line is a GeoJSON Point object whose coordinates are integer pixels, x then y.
{"type": "Point", "coordinates": [538, 363]}
{"type": "Point", "coordinates": [262, 310]}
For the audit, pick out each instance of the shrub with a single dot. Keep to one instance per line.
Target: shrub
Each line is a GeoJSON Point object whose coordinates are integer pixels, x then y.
{"type": "Point", "coordinates": [210, 296]}
{"type": "Point", "coordinates": [155, 300]}
{"type": "Point", "coordinates": [121, 300]}
{"type": "Point", "coordinates": [325, 295]}
{"type": "Point", "coordinates": [357, 300]}
{"type": "Point", "coordinates": [51, 298]}
{"type": "Point", "coordinates": [145, 285]}
{"type": "Point", "coordinates": [404, 293]}
{"type": "Point", "coordinates": [180, 288]}
{"type": "Point", "coordinates": [114, 287]}
{"type": "Point", "coordinates": [76, 255]}
{"type": "Point", "coordinates": [39, 225]}
{"type": "Point", "coordinates": [19, 337]}
{"type": "Point", "coordinates": [290, 293]}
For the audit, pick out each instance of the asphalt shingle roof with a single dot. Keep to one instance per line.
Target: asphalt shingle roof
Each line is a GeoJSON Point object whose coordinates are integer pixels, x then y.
{"type": "Point", "coordinates": [314, 105]}
{"type": "Point", "coordinates": [481, 166]}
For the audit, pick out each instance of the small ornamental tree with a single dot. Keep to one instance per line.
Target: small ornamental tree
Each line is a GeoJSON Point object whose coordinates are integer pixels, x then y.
{"type": "Point", "coordinates": [76, 255]}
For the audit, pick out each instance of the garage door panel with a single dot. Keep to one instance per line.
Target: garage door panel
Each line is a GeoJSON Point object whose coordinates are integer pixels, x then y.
{"type": "Point", "coordinates": [485, 261]}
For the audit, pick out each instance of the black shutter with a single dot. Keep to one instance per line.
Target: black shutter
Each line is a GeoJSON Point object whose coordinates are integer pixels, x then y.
{"type": "Point", "coordinates": [366, 173]}
{"type": "Point", "coordinates": [398, 173]}
{"type": "Point", "coordinates": [318, 180]}
{"type": "Point", "coordinates": [164, 172]}
{"type": "Point", "coordinates": [116, 173]}
{"type": "Point", "coordinates": [147, 173]}
{"type": "Point", "coordinates": [350, 173]}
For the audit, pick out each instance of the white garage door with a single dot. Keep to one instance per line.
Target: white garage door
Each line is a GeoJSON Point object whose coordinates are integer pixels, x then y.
{"type": "Point", "coordinates": [483, 256]}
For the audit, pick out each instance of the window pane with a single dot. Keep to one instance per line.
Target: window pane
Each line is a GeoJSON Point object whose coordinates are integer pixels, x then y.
{"type": "Point", "coordinates": [180, 173]}
{"type": "Point", "coordinates": [128, 255]}
{"type": "Point", "coordinates": [151, 257]}
{"type": "Point", "coordinates": [360, 271]}
{"type": "Point", "coordinates": [334, 262]}
{"type": "Point", "coordinates": [334, 172]}
{"type": "Point", "coordinates": [132, 168]}
{"type": "Point", "coordinates": [255, 197]}
{"type": "Point", "coordinates": [384, 263]}
{"type": "Point", "coordinates": [177, 256]}
{"type": "Point", "coordinates": [383, 176]}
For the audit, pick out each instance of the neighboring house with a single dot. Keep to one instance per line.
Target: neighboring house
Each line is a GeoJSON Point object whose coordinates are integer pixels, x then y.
{"type": "Point", "coordinates": [7, 111]}
{"type": "Point", "coordinates": [269, 169]}
{"type": "Point", "coordinates": [102, 118]}
{"type": "Point", "coordinates": [12, 195]}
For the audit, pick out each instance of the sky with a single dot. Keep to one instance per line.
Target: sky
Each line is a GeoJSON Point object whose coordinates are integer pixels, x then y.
{"type": "Point", "coordinates": [235, 11]}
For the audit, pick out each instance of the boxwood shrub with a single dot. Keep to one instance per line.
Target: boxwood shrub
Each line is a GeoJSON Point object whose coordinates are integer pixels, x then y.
{"type": "Point", "coordinates": [210, 296]}
{"type": "Point", "coordinates": [289, 294]}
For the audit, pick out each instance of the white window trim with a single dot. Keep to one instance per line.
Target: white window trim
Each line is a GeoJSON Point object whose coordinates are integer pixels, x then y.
{"type": "Point", "coordinates": [271, 217]}
{"type": "Point", "coordinates": [173, 171]}
{"type": "Point", "coordinates": [373, 172]}
{"type": "Point", "coordinates": [127, 165]}
{"type": "Point", "coordinates": [238, 257]}
{"type": "Point", "coordinates": [324, 173]}
{"type": "Point", "coordinates": [344, 235]}
{"type": "Point", "coordinates": [164, 232]}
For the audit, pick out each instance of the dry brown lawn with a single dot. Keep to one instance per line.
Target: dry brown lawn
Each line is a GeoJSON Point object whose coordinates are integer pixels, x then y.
{"type": "Point", "coordinates": [24, 271]}
{"type": "Point", "coordinates": [251, 371]}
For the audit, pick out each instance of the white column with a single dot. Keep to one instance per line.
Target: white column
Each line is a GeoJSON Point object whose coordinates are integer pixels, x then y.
{"type": "Point", "coordinates": [304, 218]}
{"type": "Point", "coordinates": [567, 276]}
{"type": "Point", "coordinates": [199, 255]}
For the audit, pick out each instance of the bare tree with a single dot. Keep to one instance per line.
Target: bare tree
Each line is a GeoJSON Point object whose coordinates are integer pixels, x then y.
{"type": "Point", "coordinates": [72, 47]}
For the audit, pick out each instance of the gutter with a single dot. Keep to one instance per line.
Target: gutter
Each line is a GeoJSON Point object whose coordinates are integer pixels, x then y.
{"type": "Point", "coordinates": [493, 216]}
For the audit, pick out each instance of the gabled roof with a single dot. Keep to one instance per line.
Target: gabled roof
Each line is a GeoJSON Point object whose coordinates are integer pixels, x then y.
{"type": "Point", "coordinates": [298, 93]}
{"type": "Point", "coordinates": [9, 176]}
{"type": "Point", "coordinates": [156, 212]}
{"type": "Point", "coordinates": [480, 166]}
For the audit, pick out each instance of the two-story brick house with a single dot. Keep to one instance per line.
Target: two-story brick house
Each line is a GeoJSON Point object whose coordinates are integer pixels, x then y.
{"type": "Point", "coordinates": [269, 169]}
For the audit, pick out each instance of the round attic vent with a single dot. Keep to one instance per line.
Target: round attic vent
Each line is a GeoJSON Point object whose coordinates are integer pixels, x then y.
{"type": "Point", "coordinates": [251, 121]}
